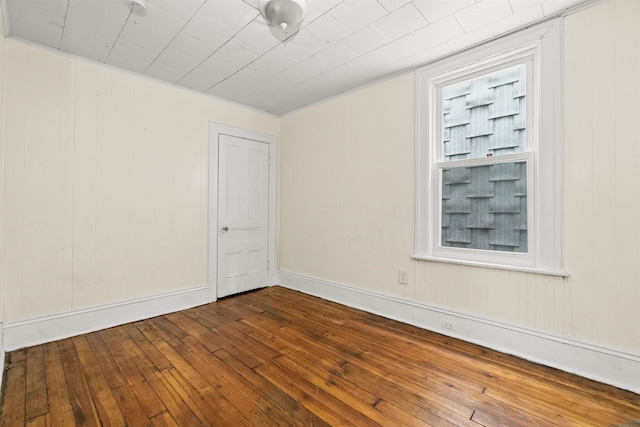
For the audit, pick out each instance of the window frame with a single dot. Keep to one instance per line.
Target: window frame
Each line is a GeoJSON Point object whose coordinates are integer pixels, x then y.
{"type": "Point", "coordinates": [540, 47]}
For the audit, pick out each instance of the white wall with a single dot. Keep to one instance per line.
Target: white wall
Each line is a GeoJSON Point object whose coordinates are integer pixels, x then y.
{"type": "Point", "coordinates": [105, 183]}
{"type": "Point", "coordinates": [602, 173]}
{"type": "Point", "coordinates": [347, 197]}
{"type": "Point", "coordinates": [347, 188]}
{"type": "Point", "coordinates": [2, 121]}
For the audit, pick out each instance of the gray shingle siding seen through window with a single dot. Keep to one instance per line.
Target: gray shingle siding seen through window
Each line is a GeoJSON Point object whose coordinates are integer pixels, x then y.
{"type": "Point", "coordinates": [485, 207]}
{"type": "Point", "coordinates": [485, 116]}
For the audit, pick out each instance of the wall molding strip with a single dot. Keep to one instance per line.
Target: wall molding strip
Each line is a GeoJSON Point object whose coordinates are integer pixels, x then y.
{"type": "Point", "coordinates": [606, 365]}
{"type": "Point", "coordinates": [45, 329]}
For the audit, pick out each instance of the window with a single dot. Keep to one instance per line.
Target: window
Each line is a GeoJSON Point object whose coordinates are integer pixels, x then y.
{"type": "Point", "coordinates": [488, 155]}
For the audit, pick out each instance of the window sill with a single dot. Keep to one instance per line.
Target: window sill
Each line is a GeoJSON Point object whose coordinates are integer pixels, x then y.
{"type": "Point", "coordinates": [557, 273]}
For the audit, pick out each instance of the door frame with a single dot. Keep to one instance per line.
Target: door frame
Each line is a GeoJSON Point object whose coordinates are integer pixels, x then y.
{"type": "Point", "coordinates": [215, 130]}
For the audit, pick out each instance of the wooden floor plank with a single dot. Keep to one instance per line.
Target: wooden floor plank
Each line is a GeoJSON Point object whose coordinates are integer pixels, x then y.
{"type": "Point", "coordinates": [310, 397]}
{"type": "Point", "coordinates": [195, 399]}
{"type": "Point", "coordinates": [147, 348]}
{"type": "Point", "coordinates": [84, 411]}
{"type": "Point", "coordinates": [542, 404]}
{"type": "Point", "coordinates": [37, 404]}
{"type": "Point", "coordinates": [176, 406]}
{"type": "Point", "coordinates": [314, 343]}
{"type": "Point", "coordinates": [327, 384]}
{"type": "Point", "coordinates": [188, 377]}
{"type": "Point", "coordinates": [273, 395]}
{"type": "Point", "coordinates": [136, 398]}
{"type": "Point", "coordinates": [41, 421]}
{"type": "Point", "coordinates": [164, 419]}
{"type": "Point", "coordinates": [14, 396]}
{"type": "Point", "coordinates": [234, 388]}
{"type": "Point", "coordinates": [60, 410]}
{"type": "Point", "coordinates": [276, 357]}
{"type": "Point", "coordinates": [403, 358]}
{"type": "Point", "coordinates": [298, 348]}
{"type": "Point", "coordinates": [101, 393]}
{"type": "Point", "coordinates": [112, 372]}
{"type": "Point", "coordinates": [115, 340]}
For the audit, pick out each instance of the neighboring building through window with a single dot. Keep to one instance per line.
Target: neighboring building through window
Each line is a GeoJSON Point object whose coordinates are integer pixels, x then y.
{"type": "Point", "coordinates": [488, 154]}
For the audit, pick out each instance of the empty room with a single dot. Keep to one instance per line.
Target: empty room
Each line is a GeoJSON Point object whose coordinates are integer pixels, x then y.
{"type": "Point", "coordinates": [320, 212]}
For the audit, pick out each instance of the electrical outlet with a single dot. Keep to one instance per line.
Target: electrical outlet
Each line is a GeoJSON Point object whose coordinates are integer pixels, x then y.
{"type": "Point", "coordinates": [449, 324]}
{"type": "Point", "coordinates": [403, 277]}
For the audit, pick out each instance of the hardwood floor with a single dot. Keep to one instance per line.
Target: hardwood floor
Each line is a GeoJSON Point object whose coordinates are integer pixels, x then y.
{"type": "Point", "coordinates": [280, 358]}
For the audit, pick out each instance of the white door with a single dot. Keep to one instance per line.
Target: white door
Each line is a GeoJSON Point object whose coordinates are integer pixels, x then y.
{"type": "Point", "coordinates": [243, 215]}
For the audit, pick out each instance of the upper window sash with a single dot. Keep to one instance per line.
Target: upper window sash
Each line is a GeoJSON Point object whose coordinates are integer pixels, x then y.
{"type": "Point", "coordinates": [472, 104]}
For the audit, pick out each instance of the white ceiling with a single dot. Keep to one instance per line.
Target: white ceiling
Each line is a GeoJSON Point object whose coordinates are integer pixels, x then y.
{"type": "Point", "coordinates": [224, 47]}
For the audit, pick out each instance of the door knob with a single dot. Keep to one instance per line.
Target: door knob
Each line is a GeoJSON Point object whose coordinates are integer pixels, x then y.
{"type": "Point", "coordinates": [225, 229]}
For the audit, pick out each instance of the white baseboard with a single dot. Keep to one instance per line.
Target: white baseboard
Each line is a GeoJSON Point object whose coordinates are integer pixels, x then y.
{"type": "Point", "coordinates": [602, 364]}
{"type": "Point", "coordinates": [59, 326]}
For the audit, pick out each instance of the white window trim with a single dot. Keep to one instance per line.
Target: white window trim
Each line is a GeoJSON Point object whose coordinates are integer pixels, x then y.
{"type": "Point", "coordinates": [543, 43]}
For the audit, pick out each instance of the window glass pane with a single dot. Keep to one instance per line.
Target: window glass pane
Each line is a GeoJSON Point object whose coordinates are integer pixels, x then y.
{"type": "Point", "coordinates": [485, 207]}
{"type": "Point", "coordinates": [485, 116]}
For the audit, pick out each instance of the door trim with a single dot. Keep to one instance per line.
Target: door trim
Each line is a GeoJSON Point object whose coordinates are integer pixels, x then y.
{"type": "Point", "coordinates": [215, 130]}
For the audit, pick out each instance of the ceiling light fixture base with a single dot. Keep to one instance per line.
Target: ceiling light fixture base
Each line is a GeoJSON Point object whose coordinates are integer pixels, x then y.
{"type": "Point", "coordinates": [138, 7]}
{"type": "Point", "coordinates": [283, 16]}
